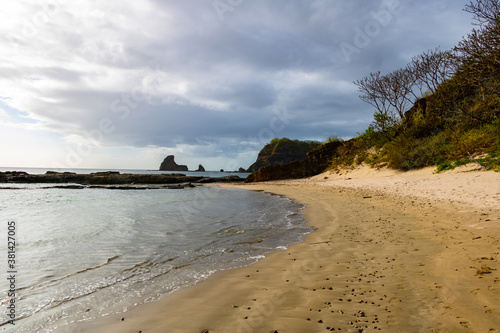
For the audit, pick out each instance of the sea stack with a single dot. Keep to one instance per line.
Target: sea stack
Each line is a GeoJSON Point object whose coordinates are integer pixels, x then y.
{"type": "Point", "coordinates": [201, 168]}
{"type": "Point", "coordinates": [169, 164]}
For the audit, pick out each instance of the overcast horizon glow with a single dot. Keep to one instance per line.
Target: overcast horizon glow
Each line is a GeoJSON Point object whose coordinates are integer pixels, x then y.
{"type": "Point", "coordinates": [93, 84]}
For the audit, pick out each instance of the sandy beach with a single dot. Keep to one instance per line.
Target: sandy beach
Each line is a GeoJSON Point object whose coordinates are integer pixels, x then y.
{"type": "Point", "coordinates": [393, 252]}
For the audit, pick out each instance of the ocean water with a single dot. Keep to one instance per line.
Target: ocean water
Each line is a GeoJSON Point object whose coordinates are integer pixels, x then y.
{"type": "Point", "coordinates": [82, 254]}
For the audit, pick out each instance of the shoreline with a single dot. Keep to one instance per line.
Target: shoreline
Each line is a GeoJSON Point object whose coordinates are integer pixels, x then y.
{"type": "Point", "coordinates": [378, 262]}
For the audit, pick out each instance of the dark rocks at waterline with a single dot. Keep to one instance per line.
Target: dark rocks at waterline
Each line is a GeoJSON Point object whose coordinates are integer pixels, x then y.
{"type": "Point", "coordinates": [225, 179]}
{"type": "Point", "coordinates": [67, 173]}
{"type": "Point", "coordinates": [144, 187]}
{"type": "Point", "coordinates": [107, 187]}
{"type": "Point", "coordinates": [98, 178]}
{"type": "Point", "coordinates": [108, 178]}
{"type": "Point", "coordinates": [200, 168]}
{"type": "Point", "coordinates": [68, 187]}
{"type": "Point", "coordinates": [169, 164]}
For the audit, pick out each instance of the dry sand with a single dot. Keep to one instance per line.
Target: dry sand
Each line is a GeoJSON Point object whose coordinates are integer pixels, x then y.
{"type": "Point", "coordinates": [393, 252]}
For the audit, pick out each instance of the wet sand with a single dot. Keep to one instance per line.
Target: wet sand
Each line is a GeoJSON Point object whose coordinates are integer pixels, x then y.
{"type": "Point", "coordinates": [380, 260]}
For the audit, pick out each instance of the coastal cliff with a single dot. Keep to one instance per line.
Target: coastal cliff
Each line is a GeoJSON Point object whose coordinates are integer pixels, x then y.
{"type": "Point", "coordinates": [282, 151]}
{"type": "Point", "coordinates": [315, 163]}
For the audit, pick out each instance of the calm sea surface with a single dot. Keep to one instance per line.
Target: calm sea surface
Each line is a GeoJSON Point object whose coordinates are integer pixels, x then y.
{"type": "Point", "coordinates": [82, 254]}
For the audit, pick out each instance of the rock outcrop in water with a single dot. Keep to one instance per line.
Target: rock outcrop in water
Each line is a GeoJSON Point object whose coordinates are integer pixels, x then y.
{"type": "Point", "coordinates": [169, 164]}
{"type": "Point", "coordinates": [201, 168]}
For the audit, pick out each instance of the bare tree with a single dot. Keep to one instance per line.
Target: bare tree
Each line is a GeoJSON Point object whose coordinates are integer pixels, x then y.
{"type": "Point", "coordinates": [475, 62]}
{"type": "Point", "coordinates": [481, 47]}
{"type": "Point", "coordinates": [374, 92]}
{"type": "Point", "coordinates": [432, 68]}
{"type": "Point", "coordinates": [478, 55]}
{"type": "Point", "coordinates": [390, 94]}
{"type": "Point", "coordinates": [484, 11]}
{"type": "Point", "coordinates": [400, 88]}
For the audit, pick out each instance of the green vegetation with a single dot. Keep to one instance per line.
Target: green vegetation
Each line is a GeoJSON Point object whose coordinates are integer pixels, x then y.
{"type": "Point", "coordinates": [291, 146]}
{"type": "Point", "coordinates": [282, 151]}
{"type": "Point", "coordinates": [458, 117]}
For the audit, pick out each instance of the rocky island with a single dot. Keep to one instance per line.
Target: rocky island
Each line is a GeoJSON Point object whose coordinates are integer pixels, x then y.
{"type": "Point", "coordinates": [169, 164]}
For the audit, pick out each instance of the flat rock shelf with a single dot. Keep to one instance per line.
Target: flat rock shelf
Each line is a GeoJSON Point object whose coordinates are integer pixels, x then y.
{"type": "Point", "coordinates": [128, 180]}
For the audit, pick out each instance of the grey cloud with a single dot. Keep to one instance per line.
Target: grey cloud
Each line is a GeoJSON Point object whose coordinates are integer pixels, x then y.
{"type": "Point", "coordinates": [242, 62]}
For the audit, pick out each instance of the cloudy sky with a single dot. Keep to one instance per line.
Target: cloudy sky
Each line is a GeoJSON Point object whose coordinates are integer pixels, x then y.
{"type": "Point", "coordinates": [122, 84]}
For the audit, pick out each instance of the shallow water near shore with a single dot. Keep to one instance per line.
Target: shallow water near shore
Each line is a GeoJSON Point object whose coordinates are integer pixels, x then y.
{"type": "Point", "coordinates": [82, 254]}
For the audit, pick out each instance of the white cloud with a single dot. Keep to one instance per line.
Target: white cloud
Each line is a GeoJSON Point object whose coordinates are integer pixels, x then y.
{"type": "Point", "coordinates": [4, 115]}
